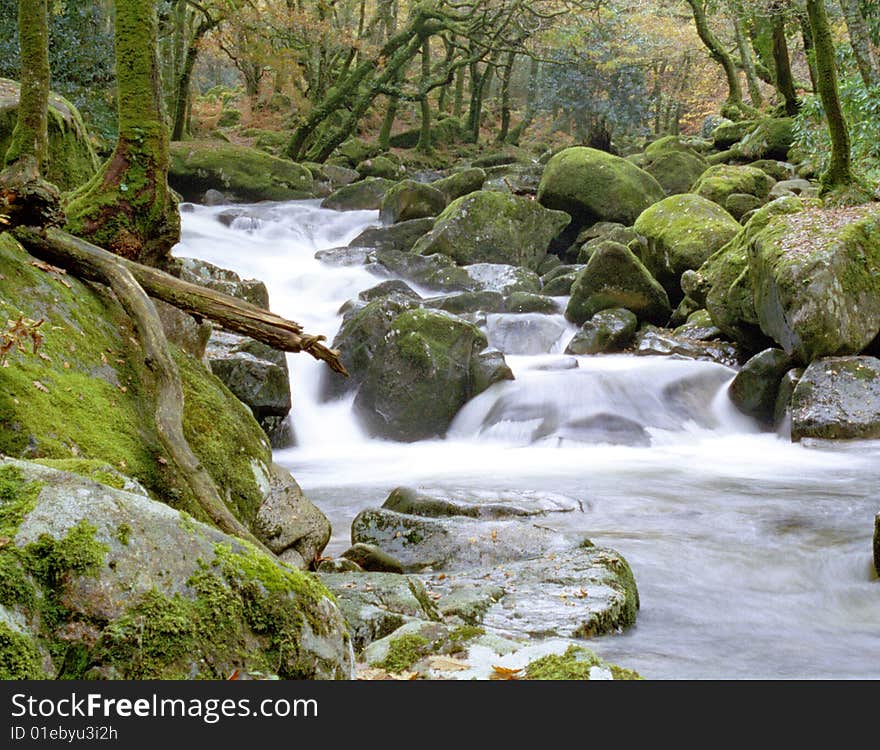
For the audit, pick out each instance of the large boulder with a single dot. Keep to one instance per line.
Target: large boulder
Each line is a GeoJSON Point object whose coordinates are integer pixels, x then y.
{"type": "Point", "coordinates": [771, 139]}
{"type": "Point", "coordinates": [103, 583]}
{"type": "Point", "coordinates": [719, 182]}
{"type": "Point", "coordinates": [676, 171]}
{"type": "Point", "coordinates": [364, 195]}
{"type": "Point", "coordinates": [400, 236]}
{"type": "Point", "coordinates": [592, 186]}
{"type": "Point", "coordinates": [244, 174]}
{"type": "Point", "coordinates": [837, 398]}
{"type": "Point", "coordinates": [680, 233]}
{"type": "Point", "coordinates": [816, 281]}
{"type": "Point", "coordinates": [409, 199]}
{"type": "Point", "coordinates": [723, 283]}
{"type": "Point", "coordinates": [492, 227]}
{"type": "Point", "coordinates": [437, 271]}
{"type": "Point", "coordinates": [615, 277]}
{"type": "Point", "coordinates": [461, 183]}
{"type": "Point", "coordinates": [421, 375]}
{"type": "Point", "coordinates": [755, 387]}
{"type": "Point", "coordinates": [607, 331]}
{"type": "Point", "coordinates": [72, 160]}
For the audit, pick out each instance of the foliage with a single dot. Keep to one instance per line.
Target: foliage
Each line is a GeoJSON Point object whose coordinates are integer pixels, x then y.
{"type": "Point", "coordinates": [80, 57]}
{"type": "Point", "coordinates": [861, 107]}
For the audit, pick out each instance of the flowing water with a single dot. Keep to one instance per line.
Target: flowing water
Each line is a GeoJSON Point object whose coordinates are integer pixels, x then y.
{"type": "Point", "coordinates": [752, 554]}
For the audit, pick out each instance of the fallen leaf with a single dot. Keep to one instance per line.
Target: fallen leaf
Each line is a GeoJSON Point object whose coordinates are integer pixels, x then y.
{"type": "Point", "coordinates": [447, 664]}
{"type": "Point", "coordinates": [40, 387]}
{"type": "Point", "coordinates": [505, 673]}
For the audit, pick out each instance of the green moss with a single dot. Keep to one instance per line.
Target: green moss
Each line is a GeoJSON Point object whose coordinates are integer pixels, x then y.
{"type": "Point", "coordinates": [457, 639]}
{"type": "Point", "coordinates": [622, 673]}
{"type": "Point", "coordinates": [123, 534]}
{"type": "Point", "coordinates": [404, 651]}
{"type": "Point", "coordinates": [17, 499]}
{"type": "Point", "coordinates": [722, 180]}
{"type": "Point", "coordinates": [574, 664]}
{"type": "Point", "coordinates": [49, 559]}
{"type": "Point", "coordinates": [19, 657]}
{"type": "Point", "coordinates": [99, 471]}
{"type": "Point", "coordinates": [248, 173]}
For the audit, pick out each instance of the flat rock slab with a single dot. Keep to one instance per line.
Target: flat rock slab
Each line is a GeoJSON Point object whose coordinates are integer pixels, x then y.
{"type": "Point", "coordinates": [438, 503]}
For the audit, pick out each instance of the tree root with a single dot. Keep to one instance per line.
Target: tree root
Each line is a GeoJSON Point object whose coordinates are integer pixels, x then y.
{"type": "Point", "coordinates": [98, 265]}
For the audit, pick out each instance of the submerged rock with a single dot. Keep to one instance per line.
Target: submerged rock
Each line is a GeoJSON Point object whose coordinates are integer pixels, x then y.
{"type": "Point", "coordinates": [610, 330]}
{"type": "Point", "coordinates": [837, 398]}
{"type": "Point", "coordinates": [440, 503]}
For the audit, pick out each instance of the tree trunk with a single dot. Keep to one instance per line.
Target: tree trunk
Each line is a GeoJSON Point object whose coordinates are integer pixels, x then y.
{"type": "Point", "coordinates": [424, 144]}
{"type": "Point", "coordinates": [30, 140]}
{"type": "Point", "coordinates": [506, 75]}
{"type": "Point", "coordinates": [184, 78]}
{"type": "Point", "coordinates": [839, 172]}
{"type": "Point", "coordinates": [127, 207]}
{"type": "Point", "coordinates": [782, 61]}
{"type": "Point", "coordinates": [809, 52]}
{"type": "Point", "coordinates": [745, 52]}
{"type": "Point", "coordinates": [860, 41]}
{"type": "Point", "coordinates": [717, 52]}
{"type": "Point", "coordinates": [388, 123]}
{"type": "Point", "coordinates": [531, 95]}
{"type": "Point", "coordinates": [458, 103]}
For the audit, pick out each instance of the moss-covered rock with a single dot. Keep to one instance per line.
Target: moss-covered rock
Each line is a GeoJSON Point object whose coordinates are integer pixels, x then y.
{"type": "Point", "coordinates": [439, 272]}
{"type": "Point", "coordinates": [409, 199]}
{"type": "Point", "coordinates": [246, 173]}
{"type": "Point", "coordinates": [364, 195]}
{"type": "Point", "coordinates": [592, 185]}
{"type": "Point", "coordinates": [754, 389]}
{"type": "Point", "coordinates": [615, 277]}
{"type": "Point", "coordinates": [723, 283]}
{"type": "Point", "coordinates": [607, 331]}
{"type": "Point", "coordinates": [461, 183]}
{"type": "Point", "coordinates": [722, 180]}
{"type": "Point", "coordinates": [680, 233]}
{"type": "Point", "coordinates": [771, 139]}
{"type": "Point", "coordinates": [837, 398]}
{"type": "Point", "coordinates": [492, 227]}
{"type": "Point", "coordinates": [88, 394]}
{"type": "Point", "coordinates": [106, 584]}
{"type": "Point", "coordinates": [356, 150]}
{"type": "Point", "coordinates": [421, 375]}
{"type": "Point", "coordinates": [72, 160]}
{"type": "Point", "coordinates": [676, 171]}
{"type": "Point", "coordinates": [816, 281]}
{"type": "Point", "coordinates": [728, 133]}
{"type": "Point", "coordinates": [379, 166]}
{"type": "Point", "coordinates": [400, 236]}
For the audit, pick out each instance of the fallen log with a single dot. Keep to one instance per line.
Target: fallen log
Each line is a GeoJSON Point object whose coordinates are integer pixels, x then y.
{"type": "Point", "coordinates": [83, 259]}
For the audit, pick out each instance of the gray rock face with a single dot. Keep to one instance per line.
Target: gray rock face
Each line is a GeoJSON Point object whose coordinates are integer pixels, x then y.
{"type": "Point", "coordinates": [453, 543]}
{"type": "Point", "coordinates": [656, 342]}
{"type": "Point", "coordinates": [400, 236]}
{"type": "Point", "coordinates": [376, 604]}
{"type": "Point", "coordinates": [435, 503]}
{"type": "Point", "coordinates": [288, 520]}
{"type": "Point", "coordinates": [369, 557]}
{"type": "Point", "coordinates": [615, 277]}
{"type": "Point", "coordinates": [607, 331]}
{"type": "Point", "coordinates": [525, 333]}
{"type": "Point", "coordinates": [467, 302]}
{"type": "Point", "coordinates": [504, 278]}
{"type": "Point", "coordinates": [223, 280]}
{"type": "Point", "coordinates": [133, 563]}
{"type": "Point", "coordinates": [837, 398]}
{"type": "Point", "coordinates": [755, 387]}
{"type": "Point", "coordinates": [258, 376]}
{"type": "Point", "coordinates": [433, 271]}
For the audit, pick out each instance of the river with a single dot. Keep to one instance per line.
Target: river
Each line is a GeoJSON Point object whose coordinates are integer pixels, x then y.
{"type": "Point", "coordinates": [752, 554]}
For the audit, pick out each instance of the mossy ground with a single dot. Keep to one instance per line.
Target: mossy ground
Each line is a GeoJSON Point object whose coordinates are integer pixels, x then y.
{"type": "Point", "coordinates": [86, 395]}
{"type": "Point", "coordinates": [574, 664]}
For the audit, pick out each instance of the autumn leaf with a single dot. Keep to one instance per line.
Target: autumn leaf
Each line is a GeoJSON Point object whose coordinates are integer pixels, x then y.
{"type": "Point", "coordinates": [40, 387]}
{"type": "Point", "coordinates": [505, 673]}
{"type": "Point", "coordinates": [447, 664]}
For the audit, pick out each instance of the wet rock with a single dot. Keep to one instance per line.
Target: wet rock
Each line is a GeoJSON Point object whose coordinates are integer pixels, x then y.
{"type": "Point", "coordinates": [387, 288]}
{"type": "Point", "coordinates": [489, 367]}
{"type": "Point", "coordinates": [560, 286]}
{"type": "Point", "coordinates": [369, 557]}
{"type": "Point", "coordinates": [610, 330]}
{"type": "Point", "coordinates": [491, 227]}
{"type": "Point", "coordinates": [223, 280]}
{"type": "Point", "coordinates": [467, 302]}
{"type": "Point", "coordinates": [503, 278]}
{"type": "Point", "coordinates": [338, 565]}
{"type": "Point", "coordinates": [837, 398]}
{"type": "Point", "coordinates": [525, 333]}
{"type": "Point", "coordinates": [344, 256]}
{"type": "Point", "coordinates": [698, 327]}
{"type": "Point", "coordinates": [433, 271]}
{"type": "Point", "coordinates": [657, 342]}
{"type": "Point", "coordinates": [782, 407]}
{"type": "Point", "coordinates": [615, 277]}
{"type": "Point", "coordinates": [288, 520]}
{"type": "Point", "coordinates": [400, 236]}
{"type": "Point", "coordinates": [754, 389]}
{"type": "Point", "coordinates": [214, 197]}
{"type": "Point", "coordinates": [454, 543]}
{"type": "Point", "coordinates": [440, 503]}
{"type": "Point", "coordinates": [374, 605]}
{"type": "Point", "coordinates": [379, 166]}
{"type": "Point", "coordinates": [421, 375]}
{"type": "Point", "coordinates": [408, 200]}
{"type": "Point", "coordinates": [363, 195]}
{"type": "Point", "coordinates": [528, 302]}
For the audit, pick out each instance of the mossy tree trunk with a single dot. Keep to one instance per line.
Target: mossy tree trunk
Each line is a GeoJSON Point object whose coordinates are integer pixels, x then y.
{"type": "Point", "coordinates": [839, 172]}
{"type": "Point", "coordinates": [506, 75]}
{"type": "Point", "coordinates": [782, 60]}
{"type": "Point", "coordinates": [531, 96]}
{"type": "Point", "coordinates": [30, 139]}
{"type": "Point", "coordinates": [860, 41]}
{"type": "Point", "coordinates": [809, 53]}
{"type": "Point", "coordinates": [717, 52]}
{"type": "Point", "coordinates": [184, 75]}
{"type": "Point", "coordinates": [384, 139]}
{"type": "Point", "coordinates": [424, 144]}
{"type": "Point", "coordinates": [127, 207]}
